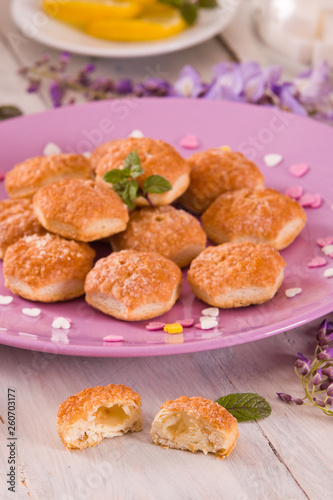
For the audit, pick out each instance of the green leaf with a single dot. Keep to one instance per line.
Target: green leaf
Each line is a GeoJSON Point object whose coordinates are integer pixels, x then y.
{"type": "Point", "coordinates": [130, 193]}
{"type": "Point", "coordinates": [136, 170]}
{"type": "Point", "coordinates": [156, 184]}
{"type": "Point", "coordinates": [189, 12]}
{"type": "Point", "coordinates": [245, 406]}
{"type": "Point", "coordinates": [132, 159]}
{"type": "Point", "coordinates": [119, 187]}
{"type": "Point", "coordinates": [115, 176]}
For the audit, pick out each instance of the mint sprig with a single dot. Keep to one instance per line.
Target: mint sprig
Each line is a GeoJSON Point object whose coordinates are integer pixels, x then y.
{"type": "Point", "coordinates": [124, 183]}
{"type": "Point", "coordinates": [245, 406]}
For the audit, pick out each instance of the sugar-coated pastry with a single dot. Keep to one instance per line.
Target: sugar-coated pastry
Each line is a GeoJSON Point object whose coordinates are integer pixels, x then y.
{"type": "Point", "coordinates": [195, 424]}
{"type": "Point", "coordinates": [260, 215]}
{"type": "Point", "coordinates": [157, 158]}
{"type": "Point", "coordinates": [17, 219]}
{"type": "Point", "coordinates": [236, 274]}
{"type": "Point", "coordinates": [93, 414]}
{"type": "Point", "coordinates": [24, 180]}
{"type": "Point", "coordinates": [217, 171]}
{"type": "Point", "coordinates": [133, 286]}
{"type": "Point", "coordinates": [173, 233]}
{"type": "Point", "coordinates": [80, 209]}
{"type": "Point", "coordinates": [47, 268]}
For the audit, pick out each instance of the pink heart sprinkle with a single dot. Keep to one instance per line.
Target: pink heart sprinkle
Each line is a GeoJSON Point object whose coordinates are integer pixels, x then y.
{"type": "Point", "coordinates": [155, 325]}
{"type": "Point", "coordinates": [308, 199]}
{"type": "Point", "coordinates": [294, 192]}
{"type": "Point", "coordinates": [186, 322]}
{"type": "Point", "coordinates": [317, 262]}
{"type": "Point", "coordinates": [189, 142]}
{"type": "Point", "coordinates": [323, 242]}
{"type": "Point", "coordinates": [113, 338]}
{"type": "Point", "coordinates": [2, 176]}
{"type": "Point", "coordinates": [299, 169]}
{"type": "Point", "coordinates": [317, 201]}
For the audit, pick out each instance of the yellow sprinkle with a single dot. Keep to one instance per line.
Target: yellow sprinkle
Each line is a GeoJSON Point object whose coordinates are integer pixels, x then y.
{"type": "Point", "coordinates": [173, 328]}
{"type": "Point", "coordinates": [225, 148]}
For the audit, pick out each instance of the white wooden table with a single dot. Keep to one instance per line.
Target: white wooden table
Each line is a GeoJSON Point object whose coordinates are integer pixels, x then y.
{"type": "Point", "coordinates": [288, 456]}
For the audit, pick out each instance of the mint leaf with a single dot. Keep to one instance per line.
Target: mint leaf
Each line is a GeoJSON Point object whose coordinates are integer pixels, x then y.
{"type": "Point", "coordinates": [189, 12]}
{"type": "Point", "coordinates": [156, 184]}
{"type": "Point", "coordinates": [136, 170]}
{"type": "Point", "coordinates": [132, 159]}
{"type": "Point", "coordinates": [114, 176]}
{"type": "Point", "coordinates": [207, 4]}
{"type": "Point", "coordinates": [245, 406]}
{"type": "Point", "coordinates": [130, 193]}
{"type": "Point", "coordinates": [9, 112]}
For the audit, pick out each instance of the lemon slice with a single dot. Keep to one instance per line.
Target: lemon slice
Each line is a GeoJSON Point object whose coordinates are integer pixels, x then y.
{"type": "Point", "coordinates": [157, 21]}
{"type": "Point", "coordinates": [82, 12]}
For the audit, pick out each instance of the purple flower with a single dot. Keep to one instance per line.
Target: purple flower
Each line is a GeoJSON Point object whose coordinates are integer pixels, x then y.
{"type": "Point", "coordinates": [322, 330]}
{"type": "Point", "coordinates": [64, 57]}
{"type": "Point", "coordinates": [328, 372]}
{"type": "Point", "coordinates": [326, 354]}
{"type": "Point", "coordinates": [329, 401]}
{"type": "Point", "coordinates": [189, 83]}
{"type": "Point", "coordinates": [302, 363]}
{"type": "Point", "coordinates": [330, 390]}
{"type": "Point", "coordinates": [57, 93]}
{"type": "Point", "coordinates": [88, 68]}
{"type": "Point", "coordinates": [298, 401]}
{"type": "Point", "coordinates": [313, 85]}
{"type": "Point", "coordinates": [124, 86]}
{"type": "Point", "coordinates": [157, 87]}
{"type": "Point", "coordinates": [287, 95]}
{"type": "Point", "coordinates": [318, 377]}
{"type": "Point", "coordinates": [34, 86]}
{"type": "Point", "coordinates": [284, 397]}
{"type": "Point", "coordinates": [325, 385]}
{"type": "Point", "coordinates": [228, 83]}
{"type": "Point", "coordinates": [319, 402]}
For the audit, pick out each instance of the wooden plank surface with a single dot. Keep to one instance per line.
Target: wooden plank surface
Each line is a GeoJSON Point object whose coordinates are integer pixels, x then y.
{"type": "Point", "coordinates": [285, 457]}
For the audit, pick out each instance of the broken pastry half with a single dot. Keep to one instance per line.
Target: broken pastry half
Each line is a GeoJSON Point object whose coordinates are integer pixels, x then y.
{"type": "Point", "coordinates": [195, 424]}
{"type": "Point", "coordinates": [93, 414]}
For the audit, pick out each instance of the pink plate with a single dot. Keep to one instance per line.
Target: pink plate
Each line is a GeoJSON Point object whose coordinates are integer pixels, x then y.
{"type": "Point", "coordinates": [256, 131]}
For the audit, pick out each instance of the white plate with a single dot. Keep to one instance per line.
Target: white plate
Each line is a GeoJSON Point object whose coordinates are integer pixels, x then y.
{"type": "Point", "coordinates": [35, 24]}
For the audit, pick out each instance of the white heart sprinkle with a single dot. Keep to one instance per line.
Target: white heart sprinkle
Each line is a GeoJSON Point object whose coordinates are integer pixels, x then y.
{"type": "Point", "coordinates": [87, 154]}
{"type": "Point", "coordinates": [113, 338]}
{"type": "Point", "coordinates": [272, 159]}
{"type": "Point", "coordinates": [136, 134]}
{"type": "Point", "coordinates": [60, 322]}
{"type": "Point", "coordinates": [51, 149]}
{"type": "Point", "coordinates": [33, 312]}
{"type": "Point", "coordinates": [327, 250]}
{"type": "Point", "coordinates": [207, 325]}
{"type": "Point", "coordinates": [328, 273]}
{"type": "Point", "coordinates": [211, 311]}
{"type": "Point", "coordinates": [292, 292]}
{"type": "Point", "coordinates": [5, 300]}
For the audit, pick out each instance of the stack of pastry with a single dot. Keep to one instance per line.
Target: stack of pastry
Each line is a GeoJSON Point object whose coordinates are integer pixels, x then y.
{"type": "Point", "coordinates": [60, 204]}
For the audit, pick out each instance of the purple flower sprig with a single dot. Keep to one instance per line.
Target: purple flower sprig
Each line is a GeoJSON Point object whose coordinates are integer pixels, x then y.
{"type": "Point", "coordinates": [309, 93]}
{"type": "Point", "coordinates": [316, 376]}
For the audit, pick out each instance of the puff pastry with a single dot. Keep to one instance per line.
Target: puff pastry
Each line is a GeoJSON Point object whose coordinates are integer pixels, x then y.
{"type": "Point", "coordinates": [133, 286]}
{"type": "Point", "coordinates": [93, 414]}
{"type": "Point", "coordinates": [24, 180]}
{"type": "Point", "coordinates": [195, 424]}
{"type": "Point", "coordinates": [157, 158]}
{"type": "Point", "coordinates": [47, 268]}
{"type": "Point", "coordinates": [80, 209]}
{"type": "Point", "coordinates": [236, 274]}
{"type": "Point", "coordinates": [261, 216]}
{"type": "Point", "coordinates": [216, 171]}
{"type": "Point", "coordinates": [173, 233]}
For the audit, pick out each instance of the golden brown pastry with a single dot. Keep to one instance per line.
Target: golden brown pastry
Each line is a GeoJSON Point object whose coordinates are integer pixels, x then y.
{"type": "Point", "coordinates": [93, 414]}
{"type": "Point", "coordinates": [195, 424]}
{"type": "Point", "coordinates": [47, 268]}
{"type": "Point", "coordinates": [170, 232]}
{"type": "Point", "coordinates": [157, 158]}
{"type": "Point", "coordinates": [133, 286]}
{"type": "Point", "coordinates": [17, 219]}
{"type": "Point", "coordinates": [236, 274]}
{"type": "Point", "coordinates": [217, 171]}
{"type": "Point", "coordinates": [80, 209]}
{"type": "Point", "coordinates": [260, 215]}
{"type": "Point", "coordinates": [24, 180]}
